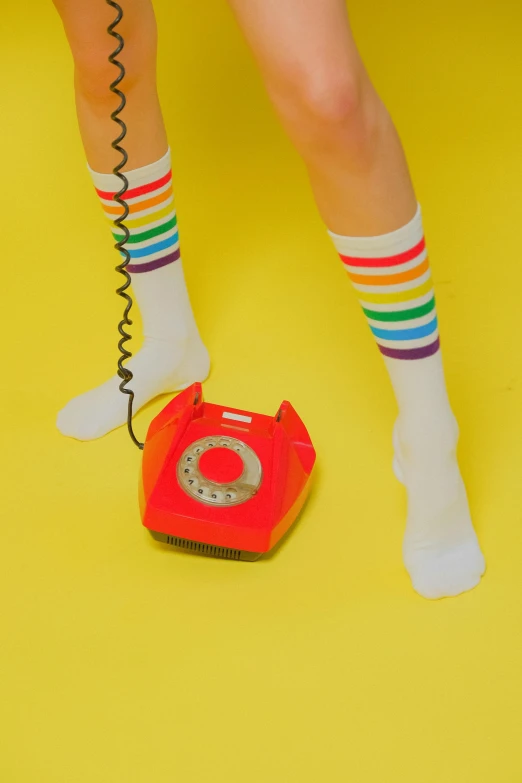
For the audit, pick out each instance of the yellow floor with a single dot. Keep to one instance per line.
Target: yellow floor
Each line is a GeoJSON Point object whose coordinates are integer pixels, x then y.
{"type": "Point", "coordinates": [122, 661]}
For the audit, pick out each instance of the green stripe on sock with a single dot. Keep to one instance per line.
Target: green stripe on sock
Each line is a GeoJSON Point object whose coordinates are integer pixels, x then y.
{"type": "Point", "coordinates": [401, 315]}
{"type": "Point", "coordinates": [153, 232]}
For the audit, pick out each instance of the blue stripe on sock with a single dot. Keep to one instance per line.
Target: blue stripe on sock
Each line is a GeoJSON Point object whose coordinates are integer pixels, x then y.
{"type": "Point", "coordinates": [406, 334]}
{"type": "Point", "coordinates": [151, 249]}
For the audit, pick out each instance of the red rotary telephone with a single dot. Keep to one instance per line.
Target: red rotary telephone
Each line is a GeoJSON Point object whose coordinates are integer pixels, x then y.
{"type": "Point", "coordinates": [223, 482]}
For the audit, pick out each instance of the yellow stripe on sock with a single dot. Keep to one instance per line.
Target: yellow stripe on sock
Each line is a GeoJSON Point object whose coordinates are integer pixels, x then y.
{"type": "Point", "coordinates": [145, 221]}
{"type": "Point", "coordinates": [398, 296]}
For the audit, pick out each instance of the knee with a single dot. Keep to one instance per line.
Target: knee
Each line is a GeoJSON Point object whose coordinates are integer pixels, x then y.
{"type": "Point", "coordinates": [91, 47]}
{"type": "Point", "coordinates": [322, 107]}
{"type": "Point", "coordinates": [330, 100]}
{"type": "Point", "coordinates": [94, 73]}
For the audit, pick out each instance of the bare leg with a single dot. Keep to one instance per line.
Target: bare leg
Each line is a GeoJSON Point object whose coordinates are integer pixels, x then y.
{"type": "Point", "coordinates": [326, 102]}
{"type": "Point", "coordinates": [85, 25]}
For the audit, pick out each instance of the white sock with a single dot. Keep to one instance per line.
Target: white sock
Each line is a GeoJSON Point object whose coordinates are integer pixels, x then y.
{"type": "Point", "coordinates": [392, 277]}
{"type": "Point", "coordinates": [173, 355]}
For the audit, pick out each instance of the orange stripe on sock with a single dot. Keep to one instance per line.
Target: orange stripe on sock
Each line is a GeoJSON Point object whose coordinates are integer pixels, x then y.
{"type": "Point", "coordinates": [402, 277]}
{"type": "Point", "coordinates": [141, 205]}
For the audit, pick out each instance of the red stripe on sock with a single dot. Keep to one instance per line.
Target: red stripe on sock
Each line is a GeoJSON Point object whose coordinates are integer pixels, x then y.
{"type": "Point", "coordinates": [401, 258]}
{"type": "Point", "coordinates": [159, 183]}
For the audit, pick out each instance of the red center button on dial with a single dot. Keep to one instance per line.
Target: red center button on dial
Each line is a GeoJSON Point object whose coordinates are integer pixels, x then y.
{"type": "Point", "coordinates": [221, 465]}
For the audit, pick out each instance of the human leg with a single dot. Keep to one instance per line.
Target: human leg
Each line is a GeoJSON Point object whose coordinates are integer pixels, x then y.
{"type": "Point", "coordinates": [324, 98]}
{"type": "Point", "coordinates": [172, 355]}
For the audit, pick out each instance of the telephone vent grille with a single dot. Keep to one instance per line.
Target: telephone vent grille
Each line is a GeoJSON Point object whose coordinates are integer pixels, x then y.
{"type": "Point", "coordinates": [204, 549]}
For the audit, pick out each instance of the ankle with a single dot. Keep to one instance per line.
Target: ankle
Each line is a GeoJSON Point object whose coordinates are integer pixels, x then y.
{"type": "Point", "coordinates": [183, 334]}
{"type": "Point", "coordinates": [430, 434]}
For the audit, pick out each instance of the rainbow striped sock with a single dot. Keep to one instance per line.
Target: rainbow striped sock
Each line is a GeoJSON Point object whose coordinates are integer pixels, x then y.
{"type": "Point", "coordinates": [152, 221]}
{"type": "Point", "coordinates": [392, 277]}
{"type": "Point", "coordinates": [172, 355]}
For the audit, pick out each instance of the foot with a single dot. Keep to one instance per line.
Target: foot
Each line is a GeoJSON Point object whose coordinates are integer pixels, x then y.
{"type": "Point", "coordinates": [441, 551]}
{"type": "Point", "coordinates": [160, 367]}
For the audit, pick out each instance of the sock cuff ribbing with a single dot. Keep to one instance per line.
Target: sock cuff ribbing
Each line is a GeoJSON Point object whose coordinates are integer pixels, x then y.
{"type": "Point", "coordinates": [136, 177]}
{"type": "Point", "coordinates": [397, 241]}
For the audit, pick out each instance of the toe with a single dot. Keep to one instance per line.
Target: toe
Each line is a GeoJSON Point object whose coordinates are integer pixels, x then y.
{"type": "Point", "coordinates": [448, 573]}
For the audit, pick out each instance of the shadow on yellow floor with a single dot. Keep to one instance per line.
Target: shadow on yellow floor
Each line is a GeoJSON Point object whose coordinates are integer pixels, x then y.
{"type": "Point", "coordinates": [125, 662]}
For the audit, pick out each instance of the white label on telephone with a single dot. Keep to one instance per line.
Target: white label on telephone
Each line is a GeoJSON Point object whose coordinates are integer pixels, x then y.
{"type": "Point", "coordinates": [237, 417]}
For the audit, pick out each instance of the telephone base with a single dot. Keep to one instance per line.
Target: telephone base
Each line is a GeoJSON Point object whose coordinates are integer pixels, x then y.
{"type": "Point", "coordinates": [199, 548]}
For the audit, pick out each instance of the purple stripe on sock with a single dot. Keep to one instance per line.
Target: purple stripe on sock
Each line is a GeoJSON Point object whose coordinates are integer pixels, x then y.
{"type": "Point", "coordinates": [150, 266]}
{"type": "Point", "coordinates": [411, 353]}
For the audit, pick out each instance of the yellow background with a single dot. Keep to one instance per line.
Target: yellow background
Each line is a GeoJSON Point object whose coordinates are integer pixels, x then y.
{"type": "Point", "coordinates": [124, 661]}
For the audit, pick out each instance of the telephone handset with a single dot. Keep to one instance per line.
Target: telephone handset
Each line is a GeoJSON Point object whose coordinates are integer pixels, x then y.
{"type": "Point", "coordinates": [223, 482]}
